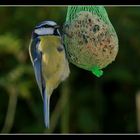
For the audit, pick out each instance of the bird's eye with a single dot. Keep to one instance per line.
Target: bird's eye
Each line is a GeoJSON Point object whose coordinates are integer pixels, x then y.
{"type": "Point", "coordinates": [44, 26]}
{"type": "Point", "coordinates": [47, 26]}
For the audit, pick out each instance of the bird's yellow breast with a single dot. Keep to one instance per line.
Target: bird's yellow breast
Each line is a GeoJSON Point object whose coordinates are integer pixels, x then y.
{"type": "Point", "coordinates": [54, 62]}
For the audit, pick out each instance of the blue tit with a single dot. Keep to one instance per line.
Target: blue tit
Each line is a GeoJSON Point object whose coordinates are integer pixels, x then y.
{"type": "Point", "coordinates": [49, 61]}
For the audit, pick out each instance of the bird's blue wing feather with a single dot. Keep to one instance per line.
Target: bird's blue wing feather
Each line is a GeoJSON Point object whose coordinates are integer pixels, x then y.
{"type": "Point", "coordinates": [37, 64]}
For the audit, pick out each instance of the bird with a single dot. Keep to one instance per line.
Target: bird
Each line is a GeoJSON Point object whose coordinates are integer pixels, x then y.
{"type": "Point", "coordinates": [49, 60]}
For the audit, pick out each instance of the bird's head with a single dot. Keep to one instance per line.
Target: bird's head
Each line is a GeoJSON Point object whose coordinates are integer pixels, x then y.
{"type": "Point", "coordinates": [46, 28]}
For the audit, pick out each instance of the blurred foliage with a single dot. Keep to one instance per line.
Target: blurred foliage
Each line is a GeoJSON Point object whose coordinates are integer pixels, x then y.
{"type": "Point", "coordinates": [83, 103]}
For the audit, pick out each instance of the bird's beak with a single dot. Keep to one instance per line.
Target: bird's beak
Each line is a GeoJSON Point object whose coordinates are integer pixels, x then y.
{"type": "Point", "coordinates": [57, 26]}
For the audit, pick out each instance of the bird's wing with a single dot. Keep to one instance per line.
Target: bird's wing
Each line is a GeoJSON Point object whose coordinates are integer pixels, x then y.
{"type": "Point", "coordinates": [36, 57]}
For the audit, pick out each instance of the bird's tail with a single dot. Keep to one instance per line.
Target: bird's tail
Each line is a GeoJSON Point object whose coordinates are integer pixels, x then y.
{"type": "Point", "coordinates": [46, 103]}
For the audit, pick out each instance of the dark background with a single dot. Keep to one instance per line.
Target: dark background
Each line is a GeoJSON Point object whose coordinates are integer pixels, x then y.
{"type": "Point", "coordinates": [83, 103]}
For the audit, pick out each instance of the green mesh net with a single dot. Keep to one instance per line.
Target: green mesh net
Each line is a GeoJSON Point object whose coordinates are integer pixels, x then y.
{"type": "Point", "coordinates": [90, 39]}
